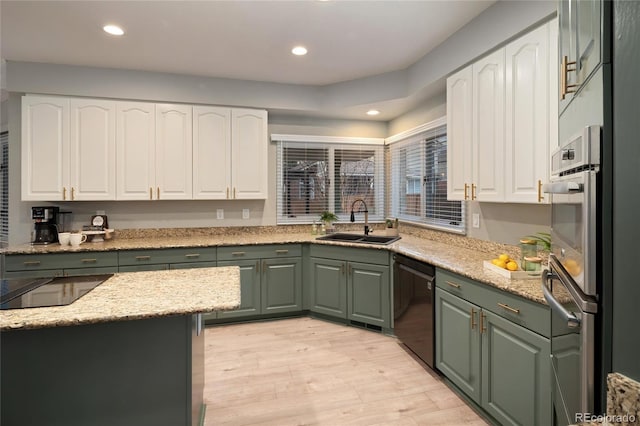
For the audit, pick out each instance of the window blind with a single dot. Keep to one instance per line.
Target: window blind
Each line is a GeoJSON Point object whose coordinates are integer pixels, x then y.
{"type": "Point", "coordinates": [314, 177]}
{"type": "Point", "coordinates": [4, 187]}
{"type": "Point", "coordinates": [419, 181]}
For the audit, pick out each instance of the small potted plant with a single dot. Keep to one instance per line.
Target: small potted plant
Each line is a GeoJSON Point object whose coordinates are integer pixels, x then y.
{"type": "Point", "coordinates": [328, 218]}
{"type": "Point", "coordinates": [391, 227]}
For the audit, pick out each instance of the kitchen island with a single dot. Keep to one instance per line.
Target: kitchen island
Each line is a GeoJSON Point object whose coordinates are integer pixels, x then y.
{"type": "Point", "coordinates": [129, 352]}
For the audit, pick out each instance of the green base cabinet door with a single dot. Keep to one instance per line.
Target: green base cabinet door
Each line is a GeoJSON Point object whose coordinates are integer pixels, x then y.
{"type": "Point", "coordinates": [458, 342]}
{"type": "Point", "coordinates": [369, 294]}
{"type": "Point", "coordinates": [281, 285]}
{"type": "Point", "coordinates": [516, 375]}
{"type": "Point", "coordinates": [249, 288]}
{"type": "Point", "coordinates": [328, 287]}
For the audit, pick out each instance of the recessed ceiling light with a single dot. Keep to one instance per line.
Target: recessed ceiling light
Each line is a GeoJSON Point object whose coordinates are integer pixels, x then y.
{"type": "Point", "coordinates": [373, 112]}
{"type": "Point", "coordinates": [299, 50]}
{"type": "Point", "coordinates": [113, 30]}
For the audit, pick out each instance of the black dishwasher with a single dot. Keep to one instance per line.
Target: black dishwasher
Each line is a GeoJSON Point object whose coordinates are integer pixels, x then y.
{"type": "Point", "coordinates": [413, 311]}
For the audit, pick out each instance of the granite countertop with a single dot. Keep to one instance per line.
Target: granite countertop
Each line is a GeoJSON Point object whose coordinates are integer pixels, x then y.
{"type": "Point", "coordinates": [441, 253]}
{"type": "Point", "coordinates": [138, 295]}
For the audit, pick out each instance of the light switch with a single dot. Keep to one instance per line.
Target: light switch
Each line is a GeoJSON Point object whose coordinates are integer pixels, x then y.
{"type": "Point", "coordinates": [476, 220]}
{"type": "Point", "coordinates": [220, 214]}
{"type": "Point", "coordinates": [245, 213]}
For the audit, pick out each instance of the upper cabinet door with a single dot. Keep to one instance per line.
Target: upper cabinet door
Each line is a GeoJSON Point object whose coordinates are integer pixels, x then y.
{"type": "Point", "coordinates": [459, 134]}
{"type": "Point", "coordinates": [135, 142]}
{"type": "Point", "coordinates": [45, 148]}
{"type": "Point", "coordinates": [211, 153]}
{"type": "Point", "coordinates": [488, 128]}
{"type": "Point", "coordinates": [527, 116]}
{"type": "Point", "coordinates": [249, 154]}
{"type": "Point", "coordinates": [173, 152]}
{"type": "Point", "coordinates": [93, 150]}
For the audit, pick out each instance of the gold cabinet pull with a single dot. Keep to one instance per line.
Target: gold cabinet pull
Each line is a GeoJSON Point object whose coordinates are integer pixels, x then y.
{"type": "Point", "coordinates": [238, 253]}
{"type": "Point", "coordinates": [143, 258]}
{"type": "Point", "coordinates": [89, 260]}
{"type": "Point", "coordinates": [227, 193]}
{"type": "Point", "coordinates": [73, 193]}
{"type": "Point", "coordinates": [283, 251]}
{"type": "Point", "coordinates": [483, 320]}
{"type": "Point", "coordinates": [509, 308]}
{"type": "Point", "coordinates": [565, 68]}
{"type": "Point", "coordinates": [466, 196]}
{"type": "Point", "coordinates": [540, 196]}
{"type": "Point", "coordinates": [473, 316]}
{"type": "Point", "coordinates": [473, 191]}
{"type": "Point", "coordinates": [157, 193]}
{"type": "Point", "coordinates": [64, 193]}
{"type": "Point", "coordinates": [192, 255]}
{"type": "Point", "coordinates": [31, 263]}
{"type": "Point", "coordinates": [257, 266]}
{"type": "Point", "coordinates": [150, 193]}
{"type": "Point", "coordinates": [264, 266]}
{"type": "Point", "coordinates": [234, 192]}
{"type": "Point", "coordinates": [350, 271]}
{"type": "Point", "coordinates": [342, 268]}
{"type": "Point", "coordinates": [454, 285]}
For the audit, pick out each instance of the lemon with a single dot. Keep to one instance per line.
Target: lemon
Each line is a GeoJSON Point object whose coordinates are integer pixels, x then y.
{"type": "Point", "coordinates": [504, 257]}
{"type": "Point", "coordinates": [501, 263]}
{"type": "Point", "coordinates": [495, 261]}
{"type": "Point", "coordinates": [512, 266]}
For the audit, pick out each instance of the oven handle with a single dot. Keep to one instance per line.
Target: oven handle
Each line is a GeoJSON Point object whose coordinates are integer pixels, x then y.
{"type": "Point", "coordinates": [570, 318]}
{"type": "Point", "coordinates": [562, 188]}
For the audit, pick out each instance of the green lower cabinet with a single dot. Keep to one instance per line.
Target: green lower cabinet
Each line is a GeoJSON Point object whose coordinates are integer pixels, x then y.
{"type": "Point", "coordinates": [328, 287]}
{"type": "Point", "coordinates": [140, 268]}
{"type": "Point", "coordinates": [249, 289]}
{"type": "Point", "coordinates": [281, 285]}
{"type": "Point", "coordinates": [369, 294]}
{"type": "Point", "coordinates": [502, 366]}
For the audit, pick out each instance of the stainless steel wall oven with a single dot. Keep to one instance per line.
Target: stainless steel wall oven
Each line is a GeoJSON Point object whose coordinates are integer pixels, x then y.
{"type": "Point", "coordinates": [571, 284]}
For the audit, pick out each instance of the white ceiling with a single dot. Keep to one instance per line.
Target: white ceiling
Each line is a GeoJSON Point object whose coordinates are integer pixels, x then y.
{"type": "Point", "coordinates": [246, 40]}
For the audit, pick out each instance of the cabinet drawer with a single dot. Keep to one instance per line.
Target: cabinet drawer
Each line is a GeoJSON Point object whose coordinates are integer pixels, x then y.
{"type": "Point", "coordinates": [177, 255]}
{"type": "Point", "coordinates": [518, 310]}
{"type": "Point", "coordinates": [351, 254]}
{"type": "Point", "coordinates": [259, 252]}
{"type": "Point", "coordinates": [37, 262]}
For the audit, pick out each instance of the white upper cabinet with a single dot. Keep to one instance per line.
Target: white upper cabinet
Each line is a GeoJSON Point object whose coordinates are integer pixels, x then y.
{"type": "Point", "coordinates": [45, 148]}
{"type": "Point", "coordinates": [488, 128]}
{"type": "Point", "coordinates": [211, 153]}
{"type": "Point", "coordinates": [173, 152]}
{"type": "Point", "coordinates": [135, 146]}
{"type": "Point", "coordinates": [249, 175]}
{"type": "Point", "coordinates": [511, 93]}
{"type": "Point", "coordinates": [528, 116]}
{"type": "Point", "coordinates": [459, 134]}
{"type": "Point", "coordinates": [92, 167]}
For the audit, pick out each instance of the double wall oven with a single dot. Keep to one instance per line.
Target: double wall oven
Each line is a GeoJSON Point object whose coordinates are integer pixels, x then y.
{"type": "Point", "coordinates": [571, 284]}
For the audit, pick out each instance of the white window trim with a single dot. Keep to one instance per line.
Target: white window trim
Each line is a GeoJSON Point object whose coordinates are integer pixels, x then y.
{"type": "Point", "coordinates": [327, 139]}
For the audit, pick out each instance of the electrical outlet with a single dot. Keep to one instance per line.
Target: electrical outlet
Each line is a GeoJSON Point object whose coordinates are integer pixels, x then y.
{"type": "Point", "coordinates": [245, 213]}
{"type": "Point", "coordinates": [476, 220]}
{"type": "Point", "coordinates": [220, 214]}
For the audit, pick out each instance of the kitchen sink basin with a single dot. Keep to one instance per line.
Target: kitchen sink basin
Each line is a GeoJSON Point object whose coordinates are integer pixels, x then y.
{"type": "Point", "coordinates": [359, 238]}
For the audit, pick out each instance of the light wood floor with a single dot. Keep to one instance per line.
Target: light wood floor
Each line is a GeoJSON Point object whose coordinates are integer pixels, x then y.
{"type": "Point", "coordinates": [305, 371]}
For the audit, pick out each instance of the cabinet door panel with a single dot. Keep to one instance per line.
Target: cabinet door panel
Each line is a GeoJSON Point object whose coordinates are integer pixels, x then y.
{"type": "Point", "coordinates": [45, 147]}
{"type": "Point", "coordinates": [249, 289]}
{"type": "Point", "coordinates": [211, 153]}
{"type": "Point", "coordinates": [249, 154]}
{"type": "Point", "coordinates": [588, 35]}
{"type": "Point", "coordinates": [135, 148]}
{"type": "Point", "coordinates": [93, 150]}
{"type": "Point", "coordinates": [174, 176]}
{"type": "Point", "coordinates": [281, 285]}
{"type": "Point", "coordinates": [369, 294]}
{"type": "Point", "coordinates": [516, 377]}
{"type": "Point", "coordinates": [328, 287]}
{"type": "Point", "coordinates": [457, 343]}
{"type": "Point", "coordinates": [459, 133]}
{"type": "Point", "coordinates": [527, 115]}
{"type": "Point", "coordinates": [488, 127]}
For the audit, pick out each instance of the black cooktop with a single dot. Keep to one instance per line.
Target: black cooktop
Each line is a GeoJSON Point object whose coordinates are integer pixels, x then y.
{"type": "Point", "coordinates": [16, 293]}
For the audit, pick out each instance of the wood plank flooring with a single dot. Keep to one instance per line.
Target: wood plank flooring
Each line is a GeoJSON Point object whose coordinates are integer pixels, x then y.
{"type": "Point", "coordinates": [304, 371]}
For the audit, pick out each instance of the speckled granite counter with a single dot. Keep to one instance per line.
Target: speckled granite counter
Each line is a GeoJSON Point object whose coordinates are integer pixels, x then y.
{"type": "Point", "coordinates": [446, 251]}
{"type": "Point", "coordinates": [137, 295]}
{"type": "Point", "coordinates": [623, 403]}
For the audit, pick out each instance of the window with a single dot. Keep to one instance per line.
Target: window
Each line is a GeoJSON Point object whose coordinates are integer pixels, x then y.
{"type": "Point", "coordinates": [419, 179]}
{"type": "Point", "coordinates": [328, 174]}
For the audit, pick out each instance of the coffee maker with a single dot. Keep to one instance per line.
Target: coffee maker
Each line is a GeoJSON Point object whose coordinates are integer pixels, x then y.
{"type": "Point", "coordinates": [45, 220]}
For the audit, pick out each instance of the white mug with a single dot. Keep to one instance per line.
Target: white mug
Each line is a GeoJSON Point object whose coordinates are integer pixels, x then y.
{"type": "Point", "coordinates": [77, 239]}
{"type": "Point", "coordinates": [63, 238]}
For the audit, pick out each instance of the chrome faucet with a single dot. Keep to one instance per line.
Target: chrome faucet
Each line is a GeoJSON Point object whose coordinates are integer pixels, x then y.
{"type": "Point", "coordinates": [366, 214]}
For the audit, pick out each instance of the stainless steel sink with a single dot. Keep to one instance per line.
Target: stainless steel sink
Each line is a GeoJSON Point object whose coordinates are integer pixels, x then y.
{"type": "Point", "coordinates": [358, 238]}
